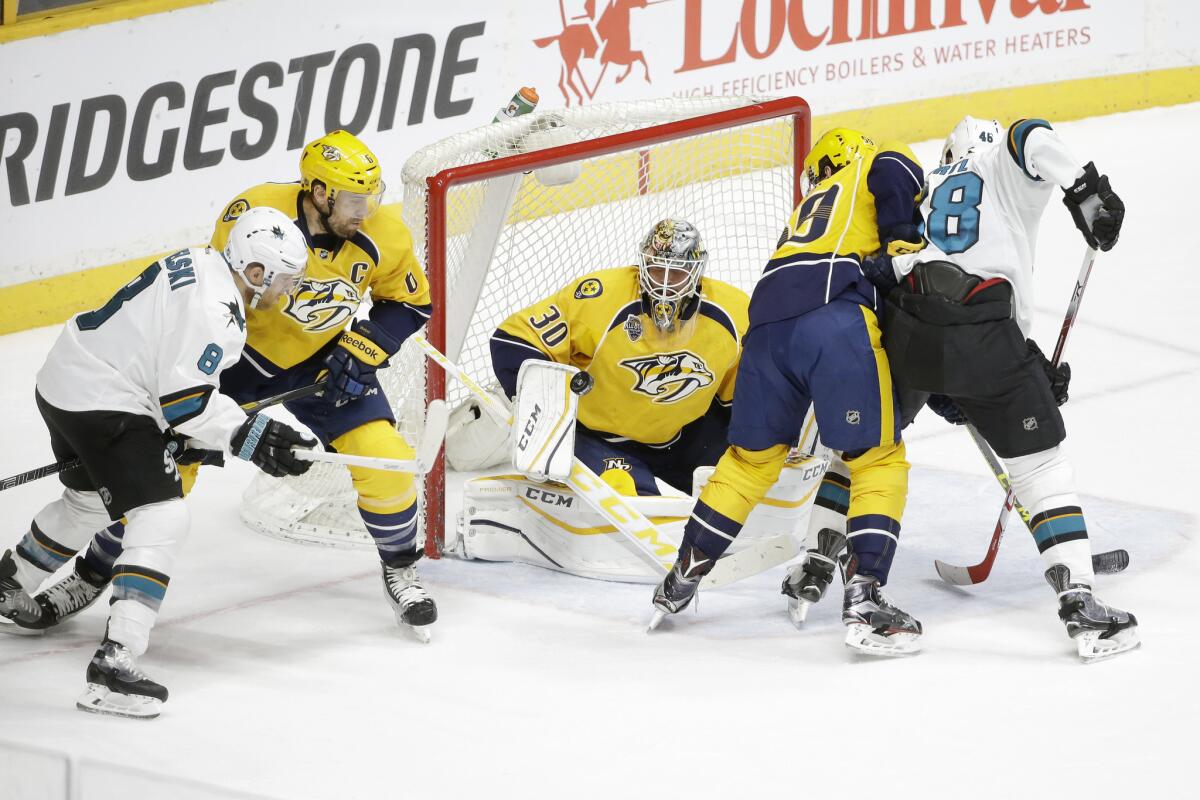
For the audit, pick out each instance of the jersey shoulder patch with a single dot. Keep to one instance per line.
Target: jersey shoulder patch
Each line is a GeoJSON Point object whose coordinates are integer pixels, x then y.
{"type": "Point", "coordinates": [589, 288]}
{"type": "Point", "coordinates": [235, 209]}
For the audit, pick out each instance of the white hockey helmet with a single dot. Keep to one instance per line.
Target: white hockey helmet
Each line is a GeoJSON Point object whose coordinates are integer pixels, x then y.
{"type": "Point", "coordinates": [971, 134]}
{"type": "Point", "coordinates": [266, 236]}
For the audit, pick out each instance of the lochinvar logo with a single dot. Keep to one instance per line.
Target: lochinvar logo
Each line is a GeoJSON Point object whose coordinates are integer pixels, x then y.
{"type": "Point", "coordinates": [591, 42]}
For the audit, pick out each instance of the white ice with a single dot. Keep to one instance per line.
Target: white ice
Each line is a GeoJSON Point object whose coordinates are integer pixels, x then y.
{"type": "Point", "coordinates": [289, 678]}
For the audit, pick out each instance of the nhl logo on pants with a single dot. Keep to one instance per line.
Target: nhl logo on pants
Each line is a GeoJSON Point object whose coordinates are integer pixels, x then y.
{"type": "Point", "coordinates": [852, 417]}
{"type": "Point", "coordinates": [1030, 423]}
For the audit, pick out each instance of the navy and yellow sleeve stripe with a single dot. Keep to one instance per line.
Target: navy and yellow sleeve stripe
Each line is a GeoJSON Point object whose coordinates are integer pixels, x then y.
{"type": "Point", "coordinates": [1018, 134]}
{"type": "Point", "coordinates": [179, 407]}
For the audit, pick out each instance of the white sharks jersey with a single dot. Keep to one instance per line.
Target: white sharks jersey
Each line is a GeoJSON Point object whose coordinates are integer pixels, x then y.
{"type": "Point", "coordinates": [157, 348]}
{"type": "Point", "coordinates": [982, 212]}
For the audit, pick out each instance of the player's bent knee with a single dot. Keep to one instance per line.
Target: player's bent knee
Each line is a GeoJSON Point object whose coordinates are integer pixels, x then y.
{"type": "Point", "coordinates": [379, 491]}
{"type": "Point", "coordinates": [162, 525]}
{"type": "Point", "coordinates": [621, 481]}
{"type": "Point", "coordinates": [879, 481]}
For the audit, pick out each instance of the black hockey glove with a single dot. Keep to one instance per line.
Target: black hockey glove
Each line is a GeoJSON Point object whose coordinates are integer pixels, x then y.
{"type": "Point", "coordinates": [899, 240]}
{"type": "Point", "coordinates": [1059, 377]}
{"type": "Point", "coordinates": [361, 350]}
{"type": "Point", "coordinates": [177, 445]}
{"type": "Point", "coordinates": [946, 408]}
{"type": "Point", "coordinates": [1096, 209]}
{"type": "Point", "coordinates": [267, 444]}
{"type": "Point", "coordinates": [879, 271]}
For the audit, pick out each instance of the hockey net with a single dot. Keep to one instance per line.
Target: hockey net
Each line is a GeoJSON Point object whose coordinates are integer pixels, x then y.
{"type": "Point", "coordinates": [508, 213]}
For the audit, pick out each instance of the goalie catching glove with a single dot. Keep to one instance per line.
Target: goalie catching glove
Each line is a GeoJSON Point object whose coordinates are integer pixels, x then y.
{"type": "Point", "coordinates": [361, 350]}
{"type": "Point", "coordinates": [268, 443]}
{"type": "Point", "coordinates": [1096, 209]}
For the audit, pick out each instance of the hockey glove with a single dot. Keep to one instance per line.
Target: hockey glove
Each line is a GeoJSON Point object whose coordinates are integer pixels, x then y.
{"type": "Point", "coordinates": [900, 240]}
{"type": "Point", "coordinates": [879, 271]}
{"type": "Point", "coordinates": [267, 444]}
{"type": "Point", "coordinates": [361, 350]}
{"type": "Point", "coordinates": [1059, 377]}
{"type": "Point", "coordinates": [1096, 209]}
{"type": "Point", "coordinates": [947, 409]}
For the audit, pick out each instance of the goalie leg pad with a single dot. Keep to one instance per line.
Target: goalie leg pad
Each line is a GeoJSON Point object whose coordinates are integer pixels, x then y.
{"type": "Point", "coordinates": [475, 439]}
{"type": "Point", "coordinates": [544, 423]}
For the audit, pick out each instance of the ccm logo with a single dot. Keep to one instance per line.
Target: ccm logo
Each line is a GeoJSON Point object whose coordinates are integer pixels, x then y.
{"type": "Point", "coordinates": [549, 498]}
{"type": "Point", "coordinates": [530, 424]}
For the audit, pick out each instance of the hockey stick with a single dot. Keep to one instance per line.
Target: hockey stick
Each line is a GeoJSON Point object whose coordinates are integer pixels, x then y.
{"type": "Point", "coordinates": [436, 419]}
{"type": "Point", "coordinates": [71, 463]}
{"type": "Point", "coordinates": [628, 521]}
{"type": "Point", "coordinates": [1111, 561]}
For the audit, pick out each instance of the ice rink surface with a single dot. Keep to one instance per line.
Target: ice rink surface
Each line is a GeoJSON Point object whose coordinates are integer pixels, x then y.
{"type": "Point", "coordinates": [289, 678]}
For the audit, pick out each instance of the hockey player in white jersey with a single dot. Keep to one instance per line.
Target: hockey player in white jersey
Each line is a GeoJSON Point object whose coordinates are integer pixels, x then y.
{"type": "Point", "coordinates": [115, 382]}
{"type": "Point", "coordinates": [956, 328]}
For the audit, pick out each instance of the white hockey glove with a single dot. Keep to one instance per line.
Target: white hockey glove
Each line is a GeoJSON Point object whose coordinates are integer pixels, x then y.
{"type": "Point", "coordinates": [474, 439]}
{"type": "Point", "coordinates": [544, 425]}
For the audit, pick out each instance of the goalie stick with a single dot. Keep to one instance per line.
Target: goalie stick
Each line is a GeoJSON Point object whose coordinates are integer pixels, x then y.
{"type": "Point", "coordinates": [648, 541]}
{"type": "Point", "coordinates": [1108, 562]}
{"type": "Point", "coordinates": [71, 463]}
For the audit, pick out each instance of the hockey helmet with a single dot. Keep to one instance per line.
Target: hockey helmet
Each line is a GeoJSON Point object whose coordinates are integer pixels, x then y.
{"type": "Point", "coordinates": [266, 236]}
{"type": "Point", "coordinates": [835, 149]}
{"type": "Point", "coordinates": [671, 261]}
{"type": "Point", "coordinates": [348, 169]}
{"type": "Point", "coordinates": [970, 134]}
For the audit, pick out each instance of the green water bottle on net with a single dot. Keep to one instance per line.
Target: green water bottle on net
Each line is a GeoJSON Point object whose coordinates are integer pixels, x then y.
{"type": "Point", "coordinates": [524, 101]}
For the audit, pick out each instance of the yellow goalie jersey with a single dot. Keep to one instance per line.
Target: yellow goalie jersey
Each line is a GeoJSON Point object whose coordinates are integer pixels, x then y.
{"type": "Point", "coordinates": [378, 258]}
{"type": "Point", "coordinates": [648, 385]}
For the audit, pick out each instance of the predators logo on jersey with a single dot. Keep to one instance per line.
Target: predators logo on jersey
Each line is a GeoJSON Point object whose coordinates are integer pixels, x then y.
{"type": "Point", "coordinates": [323, 305]}
{"type": "Point", "coordinates": [235, 210]}
{"type": "Point", "coordinates": [669, 377]}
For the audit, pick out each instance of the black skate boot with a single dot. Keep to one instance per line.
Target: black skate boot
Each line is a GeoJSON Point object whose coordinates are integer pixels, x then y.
{"type": "Point", "coordinates": [681, 584]}
{"type": "Point", "coordinates": [1099, 631]}
{"type": "Point", "coordinates": [115, 685]}
{"type": "Point", "coordinates": [15, 603]}
{"type": "Point", "coordinates": [875, 626]}
{"type": "Point", "coordinates": [413, 606]}
{"type": "Point", "coordinates": [806, 582]}
{"type": "Point", "coordinates": [69, 596]}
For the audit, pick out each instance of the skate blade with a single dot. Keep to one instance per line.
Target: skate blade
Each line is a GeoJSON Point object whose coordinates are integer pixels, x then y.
{"type": "Point", "coordinates": [863, 639]}
{"type": "Point", "coordinates": [422, 632]}
{"type": "Point", "coordinates": [798, 610]}
{"type": "Point", "coordinates": [101, 700]}
{"type": "Point", "coordinates": [656, 620]}
{"type": "Point", "coordinates": [1092, 648]}
{"type": "Point", "coordinates": [13, 629]}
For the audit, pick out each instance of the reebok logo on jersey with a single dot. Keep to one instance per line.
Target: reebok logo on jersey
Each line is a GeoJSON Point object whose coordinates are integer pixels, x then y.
{"type": "Point", "coordinates": [669, 377]}
{"type": "Point", "coordinates": [323, 305]}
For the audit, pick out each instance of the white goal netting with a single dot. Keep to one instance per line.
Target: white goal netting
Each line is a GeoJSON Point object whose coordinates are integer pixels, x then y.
{"type": "Point", "coordinates": [498, 233]}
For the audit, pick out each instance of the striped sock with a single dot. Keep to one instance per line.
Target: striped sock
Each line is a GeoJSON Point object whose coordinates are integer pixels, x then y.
{"type": "Point", "coordinates": [106, 546]}
{"type": "Point", "coordinates": [872, 541]}
{"type": "Point", "coordinates": [394, 533]}
{"type": "Point", "coordinates": [43, 552]}
{"type": "Point", "coordinates": [709, 530]}
{"type": "Point", "coordinates": [145, 586]}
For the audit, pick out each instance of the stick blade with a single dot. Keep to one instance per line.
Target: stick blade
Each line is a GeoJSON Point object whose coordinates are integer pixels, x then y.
{"type": "Point", "coordinates": [437, 417]}
{"type": "Point", "coordinates": [1110, 562]}
{"type": "Point", "coordinates": [957, 576]}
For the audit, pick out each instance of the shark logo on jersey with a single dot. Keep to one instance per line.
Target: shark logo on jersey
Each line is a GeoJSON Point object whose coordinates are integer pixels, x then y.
{"type": "Point", "coordinates": [323, 305]}
{"type": "Point", "coordinates": [669, 377]}
{"type": "Point", "coordinates": [235, 315]}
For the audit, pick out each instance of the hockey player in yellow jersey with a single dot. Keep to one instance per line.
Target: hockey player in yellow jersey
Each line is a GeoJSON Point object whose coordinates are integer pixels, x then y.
{"type": "Point", "coordinates": [661, 343]}
{"type": "Point", "coordinates": [356, 247]}
{"type": "Point", "coordinates": [814, 340]}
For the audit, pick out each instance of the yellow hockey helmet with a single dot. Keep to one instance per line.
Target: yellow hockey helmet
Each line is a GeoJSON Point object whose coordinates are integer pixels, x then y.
{"type": "Point", "coordinates": [344, 165]}
{"type": "Point", "coordinates": [835, 149]}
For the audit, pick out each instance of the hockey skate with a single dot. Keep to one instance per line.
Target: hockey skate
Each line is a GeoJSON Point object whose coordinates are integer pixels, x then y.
{"type": "Point", "coordinates": [115, 685]}
{"type": "Point", "coordinates": [413, 606]}
{"type": "Point", "coordinates": [680, 586]}
{"type": "Point", "coordinates": [16, 605]}
{"type": "Point", "coordinates": [875, 625]}
{"type": "Point", "coordinates": [69, 596]}
{"type": "Point", "coordinates": [1099, 631]}
{"type": "Point", "coordinates": [806, 582]}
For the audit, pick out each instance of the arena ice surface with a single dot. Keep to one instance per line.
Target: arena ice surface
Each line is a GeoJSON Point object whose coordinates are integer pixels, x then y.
{"type": "Point", "coordinates": [289, 677]}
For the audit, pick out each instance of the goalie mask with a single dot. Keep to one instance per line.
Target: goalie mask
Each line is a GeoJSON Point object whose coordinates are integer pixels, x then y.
{"type": "Point", "coordinates": [969, 135]}
{"type": "Point", "coordinates": [835, 149]}
{"type": "Point", "coordinates": [671, 261]}
{"type": "Point", "coordinates": [268, 237]}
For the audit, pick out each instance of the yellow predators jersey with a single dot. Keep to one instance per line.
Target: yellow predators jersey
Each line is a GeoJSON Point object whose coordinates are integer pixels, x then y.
{"type": "Point", "coordinates": [648, 385]}
{"type": "Point", "coordinates": [834, 227]}
{"type": "Point", "coordinates": [379, 259]}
